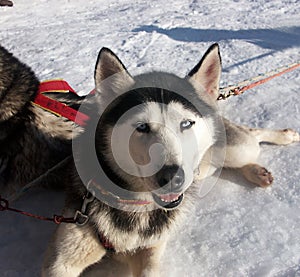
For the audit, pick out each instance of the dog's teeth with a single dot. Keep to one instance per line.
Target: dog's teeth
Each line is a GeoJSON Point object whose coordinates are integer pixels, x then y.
{"type": "Point", "coordinates": [169, 198]}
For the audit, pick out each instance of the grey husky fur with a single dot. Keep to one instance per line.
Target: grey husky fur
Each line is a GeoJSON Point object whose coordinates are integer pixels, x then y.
{"type": "Point", "coordinates": [33, 140]}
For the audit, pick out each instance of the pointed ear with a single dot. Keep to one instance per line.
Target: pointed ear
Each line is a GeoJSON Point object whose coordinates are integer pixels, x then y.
{"type": "Point", "coordinates": [107, 65]}
{"type": "Point", "coordinates": [207, 72]}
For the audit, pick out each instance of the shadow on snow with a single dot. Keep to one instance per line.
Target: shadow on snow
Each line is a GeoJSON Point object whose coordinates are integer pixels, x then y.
{"type": "Point", "coordinates": [274, 39]}
{"type": "Point", "coordinates": [271, 39]}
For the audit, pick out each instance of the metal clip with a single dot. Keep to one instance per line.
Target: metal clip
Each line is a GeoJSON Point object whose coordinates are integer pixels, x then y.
{"type": "Point", "coordinates": [86, 200]}
{"type": "Point", "coordinates": [80, 216]}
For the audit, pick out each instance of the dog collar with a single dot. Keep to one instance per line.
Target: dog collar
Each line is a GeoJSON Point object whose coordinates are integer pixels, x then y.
{"type": "Point", "coordinates": [110, 197]}
{"type": "Point", "coordinates": [82, 217]}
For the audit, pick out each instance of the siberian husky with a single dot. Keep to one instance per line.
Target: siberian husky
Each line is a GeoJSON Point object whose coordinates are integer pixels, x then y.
{"type": "Point", "coordinates": [152, 136]}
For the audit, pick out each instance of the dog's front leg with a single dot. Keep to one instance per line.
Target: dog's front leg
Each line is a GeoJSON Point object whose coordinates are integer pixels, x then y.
{"type": "Point", "coordinates": [145, 262]}
{"type": "Point", "coordinates": [71, 251]}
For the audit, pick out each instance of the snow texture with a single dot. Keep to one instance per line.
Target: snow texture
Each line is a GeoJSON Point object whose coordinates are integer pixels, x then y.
{"type": "Point", "coordinates": [236, 229]}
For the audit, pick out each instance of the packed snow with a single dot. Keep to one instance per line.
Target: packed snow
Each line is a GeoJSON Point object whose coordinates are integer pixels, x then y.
{"type": "Point", "coordinates": [235, 229]}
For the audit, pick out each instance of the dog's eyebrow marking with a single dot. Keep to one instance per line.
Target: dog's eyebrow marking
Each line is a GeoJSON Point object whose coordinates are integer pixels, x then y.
{"type": "Point", "coordinates": [163, 106]}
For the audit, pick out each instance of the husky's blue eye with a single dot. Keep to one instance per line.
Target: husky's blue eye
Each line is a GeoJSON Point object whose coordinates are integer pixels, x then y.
{"type": "Point", "coordinates": [186, 124]}
{"type": "Point", "coordinates": [143, 128]}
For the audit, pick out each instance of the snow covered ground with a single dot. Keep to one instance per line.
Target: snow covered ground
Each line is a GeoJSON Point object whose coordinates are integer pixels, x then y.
{"type": "Point", "coordinates": [235, 230]}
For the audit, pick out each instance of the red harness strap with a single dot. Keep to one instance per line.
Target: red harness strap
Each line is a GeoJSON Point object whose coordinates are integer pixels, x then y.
{"type": "Point", "coordinates": [56, 107]}
{"type": "Point", "coordinates": [57, 85]}
{"type": "Point", "coordinates": [106, 243]}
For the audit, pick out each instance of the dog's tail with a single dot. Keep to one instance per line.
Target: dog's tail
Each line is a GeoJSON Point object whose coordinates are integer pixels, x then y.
{"type": "Point", "coordinates": [18, 86]}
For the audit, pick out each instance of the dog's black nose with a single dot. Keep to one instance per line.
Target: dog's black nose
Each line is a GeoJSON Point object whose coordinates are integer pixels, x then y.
{"type": "Point", "coordinates": [171, 175]}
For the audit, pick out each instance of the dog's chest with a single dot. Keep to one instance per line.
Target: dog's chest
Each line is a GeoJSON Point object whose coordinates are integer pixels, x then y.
{"type": "Point", "coordinates": [128, 232]}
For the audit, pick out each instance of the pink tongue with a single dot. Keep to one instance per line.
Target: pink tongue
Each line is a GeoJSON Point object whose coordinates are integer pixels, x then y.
{"type": "Point", "coordinates": [169, 197]}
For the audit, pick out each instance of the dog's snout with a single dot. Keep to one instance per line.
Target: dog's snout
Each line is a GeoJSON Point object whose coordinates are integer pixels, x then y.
{"type": "Point", "coordinates": [171, 175]}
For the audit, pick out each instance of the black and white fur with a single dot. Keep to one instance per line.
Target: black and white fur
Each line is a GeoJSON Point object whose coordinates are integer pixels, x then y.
{"type": "Point", "coordinates": [192, 135]}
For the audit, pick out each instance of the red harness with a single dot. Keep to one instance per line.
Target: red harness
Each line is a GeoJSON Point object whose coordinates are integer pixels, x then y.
{"type": "Point", "coordinates": [56, 107]}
